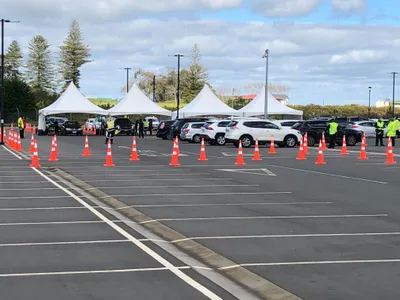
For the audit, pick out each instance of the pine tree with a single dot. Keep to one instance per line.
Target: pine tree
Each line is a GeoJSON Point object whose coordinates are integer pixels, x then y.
{"type": "Point", "coordinates": [74, 53]}
{"type": "Point", "coordinates": [195, 77]}
{"type": "Point", "coordinates": [13, 60]}
{"type": "Point", "coordinates": [40, 68]}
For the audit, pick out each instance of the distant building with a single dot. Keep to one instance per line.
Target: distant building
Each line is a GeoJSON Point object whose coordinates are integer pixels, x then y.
{"type": "Point", "coordinates": [387, 103]}
{"type": "Point", "coordinates": [282, 98]}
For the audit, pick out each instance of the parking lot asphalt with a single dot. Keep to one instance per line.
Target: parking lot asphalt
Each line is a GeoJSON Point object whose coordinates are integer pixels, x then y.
{"type": "Point", "coordinates": [317, 231]}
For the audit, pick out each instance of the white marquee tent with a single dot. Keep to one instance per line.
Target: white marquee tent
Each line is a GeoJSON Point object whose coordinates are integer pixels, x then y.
{"type": "Point", "coordinates": [256, 107]}
{"type": "Point", "coordinates": [206, 103]}
{"type": "Point", "coordinates": [71, 101]}
{"type": "Point", "coordinates": [137, 103]}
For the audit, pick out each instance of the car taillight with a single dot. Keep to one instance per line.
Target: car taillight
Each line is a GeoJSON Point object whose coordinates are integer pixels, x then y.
{"type": "Point", "coordinates": [209, 128]}
{"type": "Point", "coordinates": [235, 127]}
{"type": "Point", "coordinates": [162, 125]}
{"type": "Point", "coordinates": [187, 130]}
{"type": "Point", "coordinates": [354, 126]}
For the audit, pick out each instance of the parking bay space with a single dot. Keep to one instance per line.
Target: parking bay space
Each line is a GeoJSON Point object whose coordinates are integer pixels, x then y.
{"type": "Point", "coordinates": [49, 249]}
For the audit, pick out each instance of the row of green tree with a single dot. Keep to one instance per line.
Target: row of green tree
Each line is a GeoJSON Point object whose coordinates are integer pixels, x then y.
{"type": "Point", "coordinates": [35, 82]}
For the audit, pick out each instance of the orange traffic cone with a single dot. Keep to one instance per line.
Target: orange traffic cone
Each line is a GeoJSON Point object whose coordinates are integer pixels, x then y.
{"type": "Point", "coordinates": [53, 151]}
{"type": "Point", "coordinates": [134, 154]}
{"type": "Point", "coordinates": [14, 140]}
{"type": "Point", "coordinates": [256, 155]}
{"type": "Point", "coordinates": [389, 152]}
{"type": "Point", "coordinates": [35, 158]}
{"type": "Point", "coordinates": [4, 136]}
{"type": "Point", "coordinates": [323, 141]}
{"type": "Point", "coordinates": [175, 155]}
{"type": "Point", "coordinates": [363, 152]}
{"type": "Point", "coordinates": [344, 147]}
{"type": "Point", "coordinates": [18, 146]}
{"type": "Point", "coordinates": [55, 144]}
{"type": "Point", "coordinates": [272, 146]}
{"type": "Point", "coordinates": [320, 158]}
{"type": "Point", "coordinates": [240, 159]}
{"type": "Point", "coordinates": [86, 150]}
{"type": "Point", "coordinates": [203, 156]}
{"type": "Point", "coordinates": [109, 159]}
{"type": "Point", "coordinates": [10, 139]}
{"type": "Point", "coordinates": [177, 145]}
{"type": "Point", "coordinates": [301, 154]}
{"type": "Point", "coordinates": [305, 144]}
{"type": "Point", "coordinates": [32, 148]}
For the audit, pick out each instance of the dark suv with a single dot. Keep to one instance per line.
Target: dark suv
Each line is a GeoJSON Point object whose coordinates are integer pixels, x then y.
{"type": "Point", "coordinates": [314, 129]}
{"type": "Point", "coordinates": [178, 124]}
{"type": "Point", "coordinates": [164, 128]}
{"type": "Point", "coordinates": [125, 125]}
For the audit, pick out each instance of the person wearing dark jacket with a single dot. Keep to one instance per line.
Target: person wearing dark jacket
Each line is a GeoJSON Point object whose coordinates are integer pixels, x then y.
{"type": "Point", "coordinates": [141, 129]}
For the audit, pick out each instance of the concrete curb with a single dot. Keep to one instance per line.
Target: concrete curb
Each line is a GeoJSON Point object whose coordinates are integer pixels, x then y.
{"type": "Point", "coordinates": [250, 281]}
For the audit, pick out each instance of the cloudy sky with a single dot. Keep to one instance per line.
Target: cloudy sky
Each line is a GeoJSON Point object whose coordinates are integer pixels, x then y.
{"type": "Point", "coordinates": [325, 50]}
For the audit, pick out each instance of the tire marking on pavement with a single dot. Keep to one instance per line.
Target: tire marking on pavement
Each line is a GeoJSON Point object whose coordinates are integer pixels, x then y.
{"type": "Point", "coordinates": [136, 242]}
{"type": "Point", "coordinates": [329, 174]}
{"type": "Point", "coordinates": [265, 218]}
{"type": "Point", "coordinates": [224, 204]}
{"type": "Point", "coordinates": [63, 243]}
{"type": "Point", "coordinates": [324, 262]}
{"type": "Point", "coordinates": [176, 186]}
{"type": "Point", "coordinates": [261, 171]}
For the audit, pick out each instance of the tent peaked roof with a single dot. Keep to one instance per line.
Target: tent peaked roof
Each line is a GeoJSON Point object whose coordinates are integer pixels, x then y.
{"type": "Point", "coordinates": [206, 103]}
{"type": "Point", "coordinates": [72, 101]}
{"type": "Point", "coordinates": [256, 106]}
{"type": "Point", "coordinates": [137, 103]}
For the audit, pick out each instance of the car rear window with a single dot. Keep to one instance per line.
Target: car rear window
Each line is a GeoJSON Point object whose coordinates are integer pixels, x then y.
{"type": "Point", "coordinates": [223, 123]}
{"type": "Point", "coordinates": [231, 124]}
{"type": "Point", "coordinates": [197, 125]}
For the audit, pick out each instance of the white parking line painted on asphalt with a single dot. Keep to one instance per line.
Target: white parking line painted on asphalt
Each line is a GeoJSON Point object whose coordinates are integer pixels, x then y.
{"type": "Point", "coordinates": [260, 171]}
{"type": "Point", "coordinates": [88, 272]}
{"type": "Point", "coordinates": [159, 179]}
{"type": "Point", "coordinates": [197, 194]}
{"type": "Point", "coordinates": [265, 218]}
{"type": "Point", "coordinates": [32, 197]}
{"type": "Point", "coordinates": [63, 243]}
{"type": "Point", "coordinates": [225, 204]}
{"type": "Point", "coordinates": [170, 267]}
{"type": "Point", "coordinates": [30, 189]}
{"type": "Point", "coordinates": [329, 174]}
{"type": "Point", "coordinates": [45, 208]}
{"type": "Point", "coordinates": [131, 173]}
{"type": "Point", "coordinates": [177, 186]}
{"type": "Point", "coordinates": [282, 236]}
{"type": "Point", "coordinates": [324, 262]}
{"type": "Point", "coordinates": [55, 223]}
{"type": "Point", "coordinates": [8, 150]}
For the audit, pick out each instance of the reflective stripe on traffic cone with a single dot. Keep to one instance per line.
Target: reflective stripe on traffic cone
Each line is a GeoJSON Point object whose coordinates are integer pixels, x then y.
{"type": "Point", "coordinates": [109, 159]}
{"type": "Point", "coordinates": [272, 146]}
{"type": "Point", "coordinates": [86, 150]}
{"type": "Point", "coordinates": [134, 154]}
{"type": "Point", "coordinates": [389, 152]}
{"type": "Point", "coordinates": [18, 146]}
{"type": "Point", "coordinates": [240, 159]}
{"type": "Point", "coordinates": [202, 156]}
{"type": "Point", "coordinates": [305, 144]}
{"type": "Point", "coordinates": [256, 155]}
{"type": "Point", "coordinates": [4, 135]}
{"type": "Point", "coordinates": [323, 141]}
{"type": "Point", "coordinates": [55, 144]}
{"type": "Point", "coordinates": [175, 155]}
{"type": "Point", "coordinates": [320, 158]}
{"type": "Point", "coordinates": [32, 147]}
{"type": "Point", "coordinates": [177, 145]}
{"type": "Point", "coordinates": [344, 147]}
{"type": "Point", "coordinates": [363, 152]}
{"type": "Point", "coordinates": [53, 151]}
{"type": "Point", "coordinates": [301, 154]}
{"type": "Point", "coordinates": [35, 158]}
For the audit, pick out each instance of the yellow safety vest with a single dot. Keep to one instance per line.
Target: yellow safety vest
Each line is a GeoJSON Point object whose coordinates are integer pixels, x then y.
{"type": "Point", "coordinates": [392, 128]}
{"type": "Point", "coordinates": [110, 124]}
{"type": "Point", "coordinates": [333, 128]}
{"type": "Point", "coordinates": [380, 125]}
{"type": "Point", "coordinates": [20, 123]}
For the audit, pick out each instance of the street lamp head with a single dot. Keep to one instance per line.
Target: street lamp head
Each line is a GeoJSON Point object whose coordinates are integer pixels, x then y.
{"type": "Point", "coordinates": [266, 53]}
{"type": "Point", "coordinates": [370, 87]}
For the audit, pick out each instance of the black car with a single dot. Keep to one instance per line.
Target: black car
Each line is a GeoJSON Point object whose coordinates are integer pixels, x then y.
{"type": "Point", "coordinates": [178, 124]}
{"type": "Point", "coordinates": [164, 128]}
{"type": "Point", "coordinates": [314, 129]}
{"type": "Point", "coordinates": [125, 125]}
{"type": "Point", "coordinates": [71, 128]}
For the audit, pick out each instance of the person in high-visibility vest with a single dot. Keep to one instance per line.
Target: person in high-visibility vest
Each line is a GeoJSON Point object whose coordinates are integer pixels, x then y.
{"type": "Point", "coordinates": [21, 126]}
{"type": "Point", "coordinates": [110, 130]}
{"type": "Point", "coordinates": [332, 131]}
{"type": "Point", "coordinates": [391, 131]}
{"type": "Point", "coordinates": [379, 128]}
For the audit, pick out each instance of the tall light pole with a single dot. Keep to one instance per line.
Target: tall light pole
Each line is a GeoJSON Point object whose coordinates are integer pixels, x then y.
{"type": "Point", "coordinates": [369, 102]}
{"type": "Point", "coordinates": [178, 96]}
{"type": "Point", "coordinates": [266, 56]}
{"type": "Point", "coordinates": [127, 79]}
{"type": "Point", "coordinates": [394, 90]}
{"type": "Point", "coordinates": [2, 92]}
{"type": "Point", "coordinates": [154, 88]}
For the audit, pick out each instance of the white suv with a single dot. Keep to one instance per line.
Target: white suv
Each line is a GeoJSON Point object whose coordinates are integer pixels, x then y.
{"type": "Point", "coordinates": [191, 132]}
{"type": "Point", "coordinates": [214, 131]}
{"type": "Point", "coordinates": [248, 130]}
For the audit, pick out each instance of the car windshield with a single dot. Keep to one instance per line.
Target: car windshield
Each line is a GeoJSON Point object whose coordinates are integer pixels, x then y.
{"type": "Point", "coordinates": [297, 125]}
{"type": "Point", "coordinates": [72, 124]}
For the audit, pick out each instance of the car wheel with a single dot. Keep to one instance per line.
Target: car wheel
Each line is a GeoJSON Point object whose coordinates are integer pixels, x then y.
{"type": "Point", "coordinates": [247, 141]}
{"type": "Point", "coordinates": [196, 138]}
{"type": "Point", "coordinates": [164, 137]}
{"type": "Point", "coordinates": [220, 139]}
{"type": "Point", "coordinates": [290, 141]}
{"type": "Point", "coordinates": [311, 140]}
{"type": "Point", "coordinates": [351, 140]}
{"type": "Point", "coordinates": [236, 144]}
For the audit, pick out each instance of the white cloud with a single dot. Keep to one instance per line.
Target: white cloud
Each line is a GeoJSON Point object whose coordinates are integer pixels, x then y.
{"type": "Point", "coordinates": [284, 8]}
{"type": "Point", "coordinates": [303, 55]}
{"type": "Point", "coordinates": [349, 6]}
